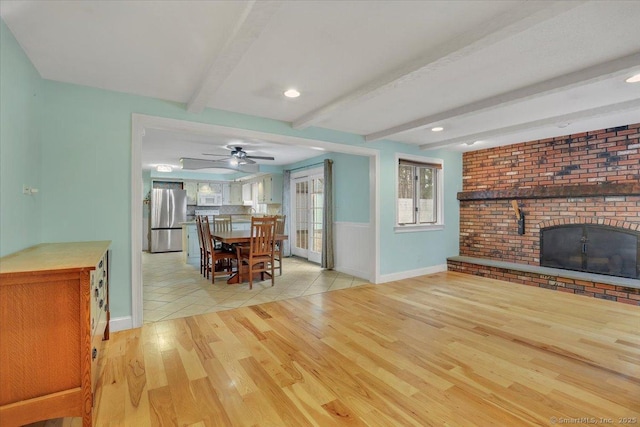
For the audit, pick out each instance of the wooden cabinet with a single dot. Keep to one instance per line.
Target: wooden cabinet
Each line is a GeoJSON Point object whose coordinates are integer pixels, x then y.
{"type": "Point", "coordinates": [54, 315]}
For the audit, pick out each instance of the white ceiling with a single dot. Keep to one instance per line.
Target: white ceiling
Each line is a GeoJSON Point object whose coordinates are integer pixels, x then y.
{"type": "Point", "coordinates": [499, 72]}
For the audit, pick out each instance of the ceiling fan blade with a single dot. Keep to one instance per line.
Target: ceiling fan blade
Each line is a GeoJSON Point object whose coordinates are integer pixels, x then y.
{"type": "Point", "coordinates": [193, 164]}
{"type": "Point", "coordinates": [215, 155]}
{"type": "Point", "coordinates": [260, 157]}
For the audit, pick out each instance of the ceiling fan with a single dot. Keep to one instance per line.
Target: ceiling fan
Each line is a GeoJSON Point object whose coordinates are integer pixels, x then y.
{"type": "Point", "coordinates": [236, 160]}
{"type": "Point", "coordinates": [239, 157]}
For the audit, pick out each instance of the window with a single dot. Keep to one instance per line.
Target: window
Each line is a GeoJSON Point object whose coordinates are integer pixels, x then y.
{"type": "Point", "coordinates": [419, 194]}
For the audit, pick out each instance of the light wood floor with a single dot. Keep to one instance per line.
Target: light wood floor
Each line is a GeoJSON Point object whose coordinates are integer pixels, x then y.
{"type": "Point", "coordinates": [444, 349]}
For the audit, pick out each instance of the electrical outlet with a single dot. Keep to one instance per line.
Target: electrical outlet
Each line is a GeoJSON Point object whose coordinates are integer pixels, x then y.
{"type": "Point", "coordinates": [26, 190]}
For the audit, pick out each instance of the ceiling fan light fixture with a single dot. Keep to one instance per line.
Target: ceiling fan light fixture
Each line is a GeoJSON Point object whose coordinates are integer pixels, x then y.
{"type": "Point", "coordinates": [164, 168]}
{"type": "Point", "coordinates": [634, 79]}
{"type": "Point", "coordinates": [437, 129]}
{"type": "Point", "coordinates": [291, 93]}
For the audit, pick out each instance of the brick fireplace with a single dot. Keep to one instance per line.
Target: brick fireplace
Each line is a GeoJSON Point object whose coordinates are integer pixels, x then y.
{"type": "Point", "coordinates": [586, 178]}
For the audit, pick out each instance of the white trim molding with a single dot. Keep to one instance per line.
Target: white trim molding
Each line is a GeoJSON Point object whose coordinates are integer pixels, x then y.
{"type": "Point", "coordinates": [140, 122]}
{"type": "Point", "coordinates": [413, 273]}
{"type": "Point", "coordinates": [120, 323]}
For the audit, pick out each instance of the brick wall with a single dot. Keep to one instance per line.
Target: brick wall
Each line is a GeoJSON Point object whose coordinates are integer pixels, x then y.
{"type": "Point", "coordinates": [488, 228]}
{"type": "Point", "coordinates": [606, 155]}
{"type": "Point", "coordinates": [592, 161]}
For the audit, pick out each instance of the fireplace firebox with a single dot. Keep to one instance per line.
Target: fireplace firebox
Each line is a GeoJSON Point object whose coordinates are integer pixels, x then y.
{"type": "Point", "coordinates": [591, 248]}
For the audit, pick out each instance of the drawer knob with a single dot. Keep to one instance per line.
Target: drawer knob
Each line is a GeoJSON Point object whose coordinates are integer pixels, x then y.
{"type": "Point", "coordinates": [101, 303]}
{"type": "Point", "coordinates": [94, 353]}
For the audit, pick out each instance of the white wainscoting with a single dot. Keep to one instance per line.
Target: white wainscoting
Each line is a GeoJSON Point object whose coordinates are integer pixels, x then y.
{"type": "Point", "coordinates": [354, 249]}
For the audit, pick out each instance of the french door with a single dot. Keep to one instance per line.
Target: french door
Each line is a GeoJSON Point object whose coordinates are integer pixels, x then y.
{"type": "Point", "coordinates": [307, 200]}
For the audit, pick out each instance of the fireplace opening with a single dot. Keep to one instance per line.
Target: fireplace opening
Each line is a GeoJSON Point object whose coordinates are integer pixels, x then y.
{"type": "Point", "coordinates": [597, 249]}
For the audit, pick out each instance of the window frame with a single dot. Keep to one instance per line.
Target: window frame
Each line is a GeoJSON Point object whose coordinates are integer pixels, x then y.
{"type": "Point", "coordinates": [438, 167]}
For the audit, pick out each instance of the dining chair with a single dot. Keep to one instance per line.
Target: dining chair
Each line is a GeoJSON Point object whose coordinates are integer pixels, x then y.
{"type": "Point", "coordinates": [221, 261]}
{"type": "Point", "coordinates": [258, 257]}
{"type": "Point", "coordinates": [223, 224]}
{"type": "Point", "coordinates": [204, 256]}
{"type": "Point", "coordinates": [277, 250]}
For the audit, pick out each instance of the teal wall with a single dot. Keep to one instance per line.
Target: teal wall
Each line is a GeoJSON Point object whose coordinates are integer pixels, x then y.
{"type": "Point", "coordinates": [20, 158]}
{"type": "Point", "coordinates": [411, 251]}
{"type": "Point", "coordinates": [350, 184]}
{"type": "Point", "coordinates": [80, 139]}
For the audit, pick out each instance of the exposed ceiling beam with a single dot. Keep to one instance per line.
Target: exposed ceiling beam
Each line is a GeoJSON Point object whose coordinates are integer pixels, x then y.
{"type": "Point", "coordinates": [254, 18]}
{"type": "Point", "coordinates": [550, 121]}
{"type": "Point", "coordinates": [547, 87]}
{"type": "Point", "coordinates": [520, 18]}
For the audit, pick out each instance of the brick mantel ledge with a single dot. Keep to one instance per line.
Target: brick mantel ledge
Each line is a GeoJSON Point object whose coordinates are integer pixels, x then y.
{"type": "Point", "coordinates": [550, 192]}
{"type": "Point", "coordinates": [547, 271]}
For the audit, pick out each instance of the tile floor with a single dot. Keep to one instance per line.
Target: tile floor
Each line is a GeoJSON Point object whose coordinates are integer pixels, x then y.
{"type": "Point", "coordinates": [173, 289]}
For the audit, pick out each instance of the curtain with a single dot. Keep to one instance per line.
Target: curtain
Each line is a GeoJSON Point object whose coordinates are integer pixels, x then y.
{"type": "Point", "coordinates": [286, 210]}
{"type": "Point", "coordinates": [327, 217]}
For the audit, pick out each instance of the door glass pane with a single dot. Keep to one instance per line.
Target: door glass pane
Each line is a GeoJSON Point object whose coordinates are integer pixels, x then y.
{"type": "Point", "coordinates": [406, 191]}
{"type": "Point", "coordinates": [316, 213]}
{"type": "Point", "coordinates": [427, 205]}
{"type": "Point", "coordinates": [302, 206]}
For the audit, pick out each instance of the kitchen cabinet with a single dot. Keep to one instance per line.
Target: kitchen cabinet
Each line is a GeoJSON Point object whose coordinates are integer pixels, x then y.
{"type": "Point", "coordinates": [54, 315]}
{"type": "Point", "coordinates": [192, 192]}
{"type": "Point", "coordinates": [232, 193]}
{"type": "Point", "coordinates": [210, 187]}
{"type": "Point", "coordinates": [270, 189]}
{"type": "Point", "coordinates": [236, 193]}
{"type": "Point", "coordinates": [191, 244]}
{"type": "Point", "coordinates": [246, 193]}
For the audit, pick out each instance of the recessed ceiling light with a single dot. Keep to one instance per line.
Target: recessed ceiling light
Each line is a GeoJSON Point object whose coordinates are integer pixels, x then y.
{"type": "Point", "coordinates": [563, 125]}
{"type": "Point", "coordinates": [634, 79]}
{"type": "Point", "coordinates": [317, 148]}
{"type": "Point", "coordinates": [472, 142]}
{"type": "Point", "coordinates": [291, 93]}
{"type": "Point", "coordinates": [164, 168]}
{"type": "Point", "coordinates": [437, 129]}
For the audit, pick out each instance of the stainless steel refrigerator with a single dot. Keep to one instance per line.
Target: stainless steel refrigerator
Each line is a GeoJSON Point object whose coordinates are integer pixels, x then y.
{"type": "Point", "coordinates": [168, 210]}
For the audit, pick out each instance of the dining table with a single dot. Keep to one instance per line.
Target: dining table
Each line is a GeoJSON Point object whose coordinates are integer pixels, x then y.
{"type": "Point", "coordinates": [239, 237]}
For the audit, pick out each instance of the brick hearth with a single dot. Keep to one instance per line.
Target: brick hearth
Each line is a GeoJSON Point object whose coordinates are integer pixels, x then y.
{"type": "Point", "coordinates": [587, 178]}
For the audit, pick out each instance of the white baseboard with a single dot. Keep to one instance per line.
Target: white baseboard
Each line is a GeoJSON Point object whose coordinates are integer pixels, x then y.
{"type": "Point", "coordinates": [353, 272]}
{"type": "Point", "coordinates": [120, 324]}
{"type": "Point", "coordinates": [412, 273]}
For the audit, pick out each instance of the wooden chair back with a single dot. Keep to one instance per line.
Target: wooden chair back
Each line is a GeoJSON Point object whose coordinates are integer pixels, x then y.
{"type": "Point", "coordinates": [280, 221]}
{"type": "Point", "coordinates": [206, 234]}
{"type": "Point", "coordinates": [203, 251]}
{"type": "Point", "coordinates": [222, 223]}
{"type": "Point", "coordinates": [277, 251]}
{"type": "Point", "coordinates": [262, 234]}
